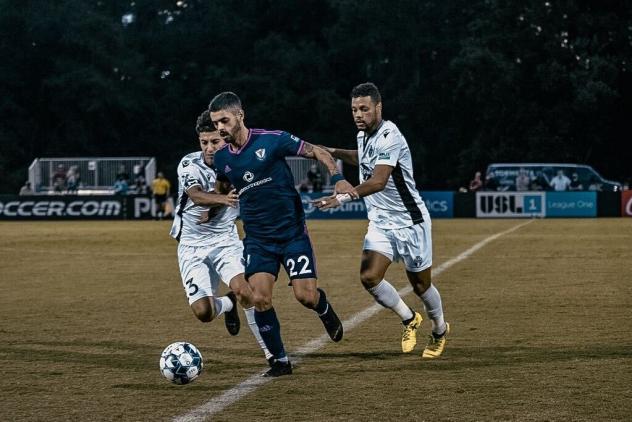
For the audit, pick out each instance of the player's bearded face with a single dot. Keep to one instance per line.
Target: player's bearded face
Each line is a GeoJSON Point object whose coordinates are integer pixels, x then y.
{"type": "Point", "coordinates": [228, 124]}
{"type": "Point", "coordinates": [366, 114]}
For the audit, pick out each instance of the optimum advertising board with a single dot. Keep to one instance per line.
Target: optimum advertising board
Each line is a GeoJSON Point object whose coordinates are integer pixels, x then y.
{"type": "Point", "coordinates": [509, 204]}
{"type": "Point", "coordinates": [349, 210]}
{"type": "Point", "coordinates": [439, 204]}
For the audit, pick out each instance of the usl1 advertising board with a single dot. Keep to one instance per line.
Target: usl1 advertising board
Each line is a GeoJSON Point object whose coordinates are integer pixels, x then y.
{"type": "Point", "coordinates": [509, 204]}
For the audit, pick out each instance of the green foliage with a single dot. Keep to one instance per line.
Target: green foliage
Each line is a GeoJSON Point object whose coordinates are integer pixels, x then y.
{"type": "Point", "coordinates": [468, 82]}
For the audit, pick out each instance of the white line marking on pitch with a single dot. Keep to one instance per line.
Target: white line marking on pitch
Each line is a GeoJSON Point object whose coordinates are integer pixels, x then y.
{"type": "Point", "coordinates": [219, 403]}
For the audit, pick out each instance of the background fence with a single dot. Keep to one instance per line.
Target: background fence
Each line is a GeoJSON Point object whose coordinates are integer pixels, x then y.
{"type": "Point", "coordinates": [97, 175]}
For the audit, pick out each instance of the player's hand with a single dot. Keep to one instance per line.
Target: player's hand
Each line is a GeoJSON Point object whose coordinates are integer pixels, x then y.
{"type": "Point", "coordinates": [209, 214]}
{"type": "Point", "coordinates": [205, 217]}
{"type": "Point", "coordinates": [342, 186]}
{"type": "Point", "coordinates": [326, 202]}
{"type": "Point", "coordinates": [232, 199]}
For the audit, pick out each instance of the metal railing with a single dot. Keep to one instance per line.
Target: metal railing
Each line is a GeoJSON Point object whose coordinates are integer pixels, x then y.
{"type": "Point", "coordinates": [95, 174]}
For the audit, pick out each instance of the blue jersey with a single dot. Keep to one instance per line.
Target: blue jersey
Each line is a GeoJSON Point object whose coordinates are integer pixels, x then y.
{"type": "Point", "coordinates": [270, 206]}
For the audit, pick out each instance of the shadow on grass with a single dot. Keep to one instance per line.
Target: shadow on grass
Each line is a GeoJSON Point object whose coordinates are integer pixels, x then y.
{"type": "Point", "coordinates": [456, 358]}
{"type": "Point", "coordinates": [109, 354]}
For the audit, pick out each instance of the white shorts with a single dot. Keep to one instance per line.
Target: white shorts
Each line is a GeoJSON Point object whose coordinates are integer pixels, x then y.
{"type": "Point", "coordinates": [203, 267]}
{"type": "Point", "coordinates": [412, 245]}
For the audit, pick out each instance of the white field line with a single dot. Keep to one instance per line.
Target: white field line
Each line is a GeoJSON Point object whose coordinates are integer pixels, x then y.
{"type": "Point", "coordinates": [233, 395]}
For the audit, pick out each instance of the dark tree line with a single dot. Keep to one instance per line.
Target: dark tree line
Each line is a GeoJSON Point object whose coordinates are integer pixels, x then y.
{"type": "Point", "coordinates": [468, 82]}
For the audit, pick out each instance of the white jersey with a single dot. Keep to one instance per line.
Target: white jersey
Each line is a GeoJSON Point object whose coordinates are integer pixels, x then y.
{"type": "Point", "coordinates": [399, 204]}
{"type": "Point", "coordinates": [193, 171]}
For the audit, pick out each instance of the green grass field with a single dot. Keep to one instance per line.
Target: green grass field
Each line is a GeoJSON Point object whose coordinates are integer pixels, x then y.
{"type": "Point", "coordinates": [541, 328]}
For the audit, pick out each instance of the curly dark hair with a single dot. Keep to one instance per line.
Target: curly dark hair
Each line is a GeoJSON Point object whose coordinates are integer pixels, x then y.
{"type": "Point", "coordinates": [367, 89]}
{"type": "Point", "coordinates": [204, 123]}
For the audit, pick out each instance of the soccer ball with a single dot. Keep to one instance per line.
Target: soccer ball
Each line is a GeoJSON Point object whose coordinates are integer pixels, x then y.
{"type": "Point", "coordinates": [181, 362]}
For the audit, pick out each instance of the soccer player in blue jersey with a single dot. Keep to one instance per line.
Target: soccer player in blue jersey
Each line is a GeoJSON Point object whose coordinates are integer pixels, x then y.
{"type": "Point", "coordinates": [274, 221]}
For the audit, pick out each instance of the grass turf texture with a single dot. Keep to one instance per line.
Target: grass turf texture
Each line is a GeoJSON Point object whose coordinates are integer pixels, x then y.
{"type": "Point", "coordinates": [541, 328]}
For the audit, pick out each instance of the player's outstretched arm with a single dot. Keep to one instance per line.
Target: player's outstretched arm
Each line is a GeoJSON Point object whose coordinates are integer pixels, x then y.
{"type": "Point", "coordinates": [349, 156]}
{"type": "Point", "coordinates": [375, 183]}
{"type": "Point", "coordinates": [200, 197]}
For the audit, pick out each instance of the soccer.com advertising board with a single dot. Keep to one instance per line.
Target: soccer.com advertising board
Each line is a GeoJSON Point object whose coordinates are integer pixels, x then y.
{"type": "Point", "coordinates": [535, 204]}
{"type": "Point", "coordinates": [75, 208]}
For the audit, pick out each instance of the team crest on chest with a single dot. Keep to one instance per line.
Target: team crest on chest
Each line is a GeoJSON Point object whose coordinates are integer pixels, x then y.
{"type": "Point", "coordinates": [261, 154]}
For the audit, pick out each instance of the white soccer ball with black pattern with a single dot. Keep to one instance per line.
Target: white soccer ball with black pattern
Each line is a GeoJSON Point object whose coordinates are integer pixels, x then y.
{"type": "Point", "coordinates": [181, 362]}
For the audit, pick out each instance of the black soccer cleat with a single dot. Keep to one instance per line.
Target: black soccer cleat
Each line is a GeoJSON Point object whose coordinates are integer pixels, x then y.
{"type": "Point", "coordinates": [278, 368]}
{"type": "Point", "coordinates": [231, 318]}
{"type": "Point", "coordinates": [331, 322]}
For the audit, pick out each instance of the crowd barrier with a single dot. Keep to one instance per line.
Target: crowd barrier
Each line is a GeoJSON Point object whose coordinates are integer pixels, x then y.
{"type": "Point", "coordinates": [440, 204]}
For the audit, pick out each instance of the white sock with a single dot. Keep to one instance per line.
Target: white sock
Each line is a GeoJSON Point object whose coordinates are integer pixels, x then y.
{"type": "Point", "coordinates": [222, 304]}
{"type": "Point", "coordinates": [432, 302]}
{"type": "Point", "coordinates": [386, 295]}
{"type": "Point", "coordinates": [252, 324]}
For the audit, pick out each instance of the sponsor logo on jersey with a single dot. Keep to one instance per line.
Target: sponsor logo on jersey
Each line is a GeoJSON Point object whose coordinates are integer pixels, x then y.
{"type": "Point", "coordinates": [248, 176]}
{"type": "Point", "coordinates": [295, 138]}
{"type": "Point", "coordinates": [227, 169]}
{"type": "Point", "coordinates": [384, 156]}
{"type": "Point", "coordinates": [185, 163]}
{"type": "Point", "coordinates": [261, 154]}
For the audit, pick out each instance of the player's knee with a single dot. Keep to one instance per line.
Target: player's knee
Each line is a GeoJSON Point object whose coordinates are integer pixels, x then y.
{"type": "Point", "coordinates": [261, 302]}
{"type": "Point", "coordinates": [369, 279]}
{"type": "Point", "coordinates": [308, 299]}
{"type": "Point", "coordinates": [204, 313]}
{"type": "Point", "coordinates": [307, 295]}
{"type": "Point", "coordinates": [244, 295]}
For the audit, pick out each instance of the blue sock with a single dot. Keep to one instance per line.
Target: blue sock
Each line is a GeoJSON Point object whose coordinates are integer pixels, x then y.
{"type": "Point", "coordinates": [321, 306]}
{"type": "Point", "coordinates": [270, 330]}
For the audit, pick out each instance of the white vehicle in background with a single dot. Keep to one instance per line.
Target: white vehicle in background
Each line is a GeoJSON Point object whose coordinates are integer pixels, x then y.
{"type": "Point", "coordinates": [502, 176]}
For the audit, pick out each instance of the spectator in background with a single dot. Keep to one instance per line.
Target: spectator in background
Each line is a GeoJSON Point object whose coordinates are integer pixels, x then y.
{"type": "Point", "coordinates": [491, 183]}
{"type": "Point", "coordinates": [59, 179]}
{"type": "Point", "coordinates": [140, 183]}
{"type": "Point", "coordinates": [123, 174]}
{"type": "Point", "coordinates": [73, 179]}
{"type": "Point", "coordinates": [523, 180]}
{"type": "Point", "coordinates": [594, 185]}
{"type": "Point", "coordinates": [539, 182]}
{"type": "Point", "coordinates": [560, 182]}
{"type": "Point", "coordinates": [575, 183]}
{"type": "Point", "coordinates": [476, 183]}
{"type": "Point", "coordinates": [26, 189]}
{"type": "Point", "coordinates": [120, 186]}
{"type": "Point", "coordinates": [313, 181]}
{"type": "Point", "coordinates": [160, 188]}
{"type": "Point", "coordinates": [140, 187]}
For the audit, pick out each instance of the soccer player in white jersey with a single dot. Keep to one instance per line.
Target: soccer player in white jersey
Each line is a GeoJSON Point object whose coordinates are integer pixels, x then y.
{"type": "Point", "coordinates": [399, 223]}
{"type": "Point", "coordinates": [210, 252]}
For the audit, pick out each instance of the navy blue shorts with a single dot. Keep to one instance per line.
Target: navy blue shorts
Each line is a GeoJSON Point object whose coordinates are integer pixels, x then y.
{"type": "Point", "coordinates": [296, 256]}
